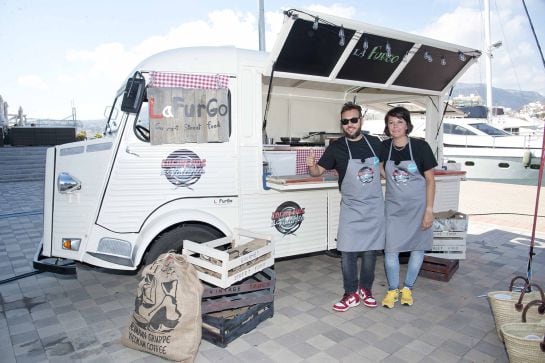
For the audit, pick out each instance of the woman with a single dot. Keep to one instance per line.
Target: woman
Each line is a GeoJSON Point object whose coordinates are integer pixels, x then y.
{"type": "Point", "coordinates": [410, 190]}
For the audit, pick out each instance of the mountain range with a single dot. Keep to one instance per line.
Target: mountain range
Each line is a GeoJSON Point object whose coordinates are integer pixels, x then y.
{"type": "Point", "coordinates": [513, 99]}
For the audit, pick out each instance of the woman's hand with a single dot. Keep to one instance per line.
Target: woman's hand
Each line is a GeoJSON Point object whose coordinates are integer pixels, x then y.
{"type": "Point", "coordinates": [427, 221]}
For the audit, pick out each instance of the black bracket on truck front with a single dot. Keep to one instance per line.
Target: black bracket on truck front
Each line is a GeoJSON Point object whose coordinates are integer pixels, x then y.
{"type": "Point", "coordinates": [53, 264]}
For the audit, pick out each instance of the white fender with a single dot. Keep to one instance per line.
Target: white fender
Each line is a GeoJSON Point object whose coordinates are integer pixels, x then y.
{"type": "Point", "coordinates": [167, 216]}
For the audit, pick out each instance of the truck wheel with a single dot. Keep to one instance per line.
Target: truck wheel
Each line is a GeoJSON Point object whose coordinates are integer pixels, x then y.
{"type": "Point", "coordinates": [174, 239]}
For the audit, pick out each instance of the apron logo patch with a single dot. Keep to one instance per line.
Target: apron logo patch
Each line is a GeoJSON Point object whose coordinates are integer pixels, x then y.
{"type": "Point", "coordinates": [400, 176]}
{"type": "Point", "coordinates": [287, 218]}
{"type": "Point", "coordinates": [183, 167]}
{"type": "Point", "coordinates": [365, 175]}
{"type": "Point", "coordinates": [412, 167]}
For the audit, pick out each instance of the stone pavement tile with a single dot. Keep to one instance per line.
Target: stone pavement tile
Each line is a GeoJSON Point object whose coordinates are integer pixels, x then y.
{"type": "Point", "coordinates": [321, 342]}
{"type": "Point", "coordinates": [28, 349]}
{"type": "Point", "coordinates": [15, 329]}
{"type": "Point", "coordinates": [50, 330]}
{"type": "Point", "coordinates": [410, 330]}
{"type": "Point", "coordinates": [387, 345]}
{"type": "Point", "coordinates": [477, 356]}
{"type": "Point", "coordinates": [23, 338]}
{"type": "Point", "coordinates": [217, 355]}
{"type": "Point", "coordinates": [490, 349]}
{"type": "Point", "coordinates": [127, 355]}
{"type": "Point", "coordinates": [382, 330]}
{"type": "Point", "coordinates": [455, 347]}
{"type": "Point", "coordinates": [421, 346]}
{"type": "Point", "coordinates": [7, 355]}
{"type": "Point", "coordinates": [443, 356]}
{"type": "Point", "coordinates": [41, 323]}
{"type": "Point", "coordinates": [372, 353]}
{"type": "Point", "coordinates": [351, 328]}
{"type": "Point", "coordinates": [339, 351]}
{"type": "Point", "coordinates": [268, 347]}
{"type": "Point", "coordinates": [305, 350]}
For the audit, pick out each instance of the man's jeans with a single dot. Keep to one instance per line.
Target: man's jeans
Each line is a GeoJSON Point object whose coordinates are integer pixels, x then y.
{"type": "Point", "coordinates": [349, 261]}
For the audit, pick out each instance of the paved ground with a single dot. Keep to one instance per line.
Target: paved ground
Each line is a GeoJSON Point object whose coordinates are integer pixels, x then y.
{"type": "Point", "coordinates": [52, 318]}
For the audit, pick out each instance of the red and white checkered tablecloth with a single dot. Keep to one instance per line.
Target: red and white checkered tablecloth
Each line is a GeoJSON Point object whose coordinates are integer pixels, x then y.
{"type": "Point", "coordinates": [199, 81]}
{"type": "Point", "coordinates": [301, 158]}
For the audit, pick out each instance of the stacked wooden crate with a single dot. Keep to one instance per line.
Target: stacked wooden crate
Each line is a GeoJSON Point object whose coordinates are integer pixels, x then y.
{"type": "Point", "coordinates": [449, 235]}
{"type": "Point", "coordinates": [449, 246]}
{"type": "Point", "coordinates": [238, 283]}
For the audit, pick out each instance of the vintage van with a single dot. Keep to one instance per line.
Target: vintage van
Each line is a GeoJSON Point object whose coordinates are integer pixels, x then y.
{"type": "Point", "coordinates": [184, 157]}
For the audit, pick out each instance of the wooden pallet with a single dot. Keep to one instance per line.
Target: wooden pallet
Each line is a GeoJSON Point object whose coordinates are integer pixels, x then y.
{"type": "Point", "coordinates": [439, 269]}
{"type": "Point", "coordinates": [221, 328]}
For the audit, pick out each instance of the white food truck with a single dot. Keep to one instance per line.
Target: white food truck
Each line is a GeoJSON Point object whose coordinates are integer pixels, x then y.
{"type": "Point", "coordinates": [193, 132]}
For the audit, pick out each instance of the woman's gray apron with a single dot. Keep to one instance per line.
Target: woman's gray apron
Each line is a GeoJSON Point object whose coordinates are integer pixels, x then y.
{"type": "Point", "coordinates": [361, 219]}
{"type": "Point", "coordinates": [405, 206]}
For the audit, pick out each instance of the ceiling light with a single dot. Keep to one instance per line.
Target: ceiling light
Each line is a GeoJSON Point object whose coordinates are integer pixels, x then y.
{"type": "Point", "coordinates": [428, 57]}
{"type": "Point", "coordinates": [443, 60]}
{"type": "Point", "coordinates": [461, 56]}
{"type": "Point", "coordinates": [341, 36]}
{"type": "Point", "coordinates": [315, 25]}
{"type": "Point", "coordinates": [388, 49]}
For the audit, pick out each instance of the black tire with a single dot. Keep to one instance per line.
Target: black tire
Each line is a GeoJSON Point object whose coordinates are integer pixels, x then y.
{"type": "Point", "coordinates": [173, 239]}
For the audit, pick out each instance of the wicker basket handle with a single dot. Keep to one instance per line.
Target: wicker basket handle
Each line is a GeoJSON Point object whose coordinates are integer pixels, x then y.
{"type": "Point", "coordinates": [540, 309]}
{"type": "Point", "coordinates": [519, 305]}
{"type": "Point", "coordinates": [526, 282]}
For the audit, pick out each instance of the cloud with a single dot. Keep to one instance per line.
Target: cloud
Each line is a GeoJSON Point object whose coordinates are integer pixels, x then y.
{"type": "Point", "coordinates": [32, 81]}
{"type": "Point", "coordinates": [515, 65]}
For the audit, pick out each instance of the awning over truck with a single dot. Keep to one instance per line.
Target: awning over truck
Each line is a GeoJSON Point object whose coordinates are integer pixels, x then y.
{"type": "Point", "coordinates": [322, 48]}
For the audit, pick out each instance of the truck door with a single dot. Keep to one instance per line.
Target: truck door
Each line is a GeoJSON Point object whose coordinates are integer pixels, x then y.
{"type": "Point", "coordinates": [80, 171]}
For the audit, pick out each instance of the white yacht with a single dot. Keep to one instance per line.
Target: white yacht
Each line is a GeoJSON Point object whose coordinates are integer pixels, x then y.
{"type": "Point", "coordinates": [487, 152]}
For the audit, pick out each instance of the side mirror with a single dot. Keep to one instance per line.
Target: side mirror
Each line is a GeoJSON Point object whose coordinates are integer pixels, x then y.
{"type": "Point", "coordinates": [133, 94]}
{"type": "Point", "coordinates": [113, 111]}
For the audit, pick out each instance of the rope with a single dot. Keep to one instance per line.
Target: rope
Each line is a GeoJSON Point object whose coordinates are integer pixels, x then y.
{"type": "Point", "coordinates": [541, 165]}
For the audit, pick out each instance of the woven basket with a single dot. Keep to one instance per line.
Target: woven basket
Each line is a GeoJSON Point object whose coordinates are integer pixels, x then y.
{"type": "Point", "coordinates": [525, 342]}
{"type": "Point", "coordinates": [507, 306]}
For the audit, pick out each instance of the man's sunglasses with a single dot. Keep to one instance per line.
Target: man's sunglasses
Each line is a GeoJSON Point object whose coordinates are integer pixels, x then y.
{"type": "Point", "coordinates": [354, 120]}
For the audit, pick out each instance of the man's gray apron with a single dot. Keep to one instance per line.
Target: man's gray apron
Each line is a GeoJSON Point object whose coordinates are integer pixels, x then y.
{"type": "Point", "coordinates": [405, 206]}
{"type": "Point", "coordinates": [361, 219]}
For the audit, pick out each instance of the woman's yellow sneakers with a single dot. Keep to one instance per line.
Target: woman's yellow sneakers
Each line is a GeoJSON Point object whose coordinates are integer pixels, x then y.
{"type": "Point", "coordinates": [406, 296]}
{"type": "Point", "coordinates": [390, 298]}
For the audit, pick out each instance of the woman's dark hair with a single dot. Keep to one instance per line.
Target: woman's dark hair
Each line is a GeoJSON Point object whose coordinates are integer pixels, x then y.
{"type": "Point", "coordinates": [400, 112]}
{"type": "Point", "coordinates": [351, 106]}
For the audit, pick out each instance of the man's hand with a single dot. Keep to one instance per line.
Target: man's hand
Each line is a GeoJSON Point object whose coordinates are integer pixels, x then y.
{"type": "Point", "coordinates": [311, 159]}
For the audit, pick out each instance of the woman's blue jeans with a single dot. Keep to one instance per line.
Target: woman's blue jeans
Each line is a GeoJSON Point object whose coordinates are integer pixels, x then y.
{"type": "Point", "coordinates": [349, 264]}
{"type": "Point", "coordinates": [391, 265]}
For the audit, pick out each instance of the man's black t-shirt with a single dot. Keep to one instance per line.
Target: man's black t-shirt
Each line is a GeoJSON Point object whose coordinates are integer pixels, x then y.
{"type": "Point", "coordinates": [422, 154]}
{"type": "Point", "coordinates": [336, 155]}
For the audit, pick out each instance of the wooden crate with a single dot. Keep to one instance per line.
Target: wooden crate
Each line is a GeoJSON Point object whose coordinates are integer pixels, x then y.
{"type": "Point", "coordinates": [449, 248]}
{"type": "Point", "coordinates": [224, 261]}
{"type": "Point", "coordinates": [223, 327]}
{"type": "Point", "coordinates": [256, 289]}
{"type": "Point", "coordinates": [440, 269]}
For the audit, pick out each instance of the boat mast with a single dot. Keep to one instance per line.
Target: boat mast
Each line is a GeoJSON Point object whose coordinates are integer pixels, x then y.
{"type": "Point", "coordinates": [488, 58]}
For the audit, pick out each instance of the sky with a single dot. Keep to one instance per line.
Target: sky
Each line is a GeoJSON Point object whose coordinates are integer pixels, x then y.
{"type": "Point", "coordinates": [56, 54]}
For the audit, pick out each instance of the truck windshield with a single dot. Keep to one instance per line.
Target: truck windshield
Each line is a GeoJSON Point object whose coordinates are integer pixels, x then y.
{"type": "Point", "coordinates": [113, 116]}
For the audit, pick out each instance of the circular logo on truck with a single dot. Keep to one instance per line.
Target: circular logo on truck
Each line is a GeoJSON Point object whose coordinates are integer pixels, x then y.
{"type": "Point", "coordinates": [183, 167]}
{"type": "Point", "coordinates": [287, 218]}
